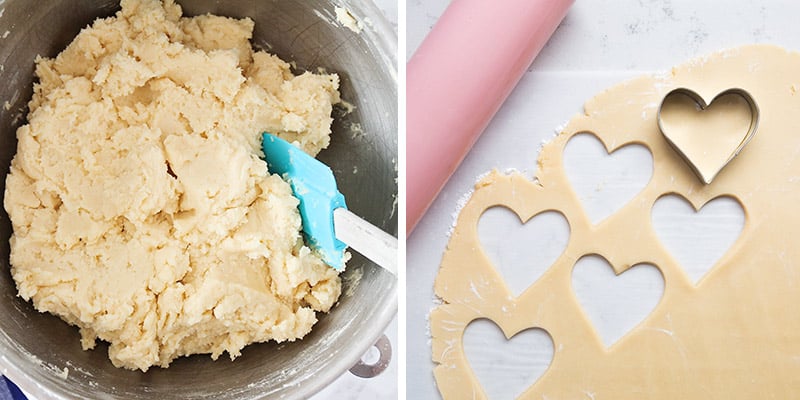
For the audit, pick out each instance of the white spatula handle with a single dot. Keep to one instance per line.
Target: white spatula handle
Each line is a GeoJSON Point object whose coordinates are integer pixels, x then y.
{"type": "Point", "coordinates": [367, 239]}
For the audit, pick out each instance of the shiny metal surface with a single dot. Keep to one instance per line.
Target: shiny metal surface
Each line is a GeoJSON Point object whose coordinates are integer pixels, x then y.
{"type": "Point", "coordinates": [38, 350]}
{"type": "Point", "coordinates": [365, 370]}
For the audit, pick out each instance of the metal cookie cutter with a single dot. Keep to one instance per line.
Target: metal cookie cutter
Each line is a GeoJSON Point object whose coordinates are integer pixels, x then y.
{"type": "Point", "coordinates": [708, 173]}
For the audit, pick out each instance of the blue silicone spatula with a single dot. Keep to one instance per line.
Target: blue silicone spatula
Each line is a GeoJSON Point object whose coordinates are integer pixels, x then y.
{"type": "Point", "coordinates": [327, 224]}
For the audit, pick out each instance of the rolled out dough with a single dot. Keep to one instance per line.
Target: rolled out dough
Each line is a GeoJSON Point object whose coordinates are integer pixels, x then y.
{"type": "Point", "coordinates": [733, 335]}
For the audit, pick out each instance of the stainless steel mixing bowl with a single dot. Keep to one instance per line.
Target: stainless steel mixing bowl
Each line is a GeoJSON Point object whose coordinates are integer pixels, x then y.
{"type": "Point", "coordinates": [36, 349]}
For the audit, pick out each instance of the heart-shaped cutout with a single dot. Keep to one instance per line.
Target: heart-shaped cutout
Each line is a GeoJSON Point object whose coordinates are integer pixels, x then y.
{"type": "Point", "coordinates": [708, 135]}
{"type": "Point", "coordinates": [506, 367]}
{"type": "Point", "coordinates": [616, 303]}
{"type": "Point", "coordinates": [605, 182]}
{"type": "Point", "coordinates": [522, 252]}
{"type": "Point", "coordinates": [697, 238]}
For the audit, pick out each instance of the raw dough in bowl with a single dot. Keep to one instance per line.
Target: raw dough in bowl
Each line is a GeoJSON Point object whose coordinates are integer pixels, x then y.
{"type": "Point", "coordinates": [141, 209]}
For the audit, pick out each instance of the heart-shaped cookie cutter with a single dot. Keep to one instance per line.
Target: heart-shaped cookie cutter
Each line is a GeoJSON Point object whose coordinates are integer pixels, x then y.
{"type": "Point", "coordinates": [702, 104]}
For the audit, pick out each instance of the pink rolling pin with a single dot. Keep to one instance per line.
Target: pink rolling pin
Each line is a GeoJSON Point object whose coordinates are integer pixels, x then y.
{"type": "Point", "coordinates": [459, 78]}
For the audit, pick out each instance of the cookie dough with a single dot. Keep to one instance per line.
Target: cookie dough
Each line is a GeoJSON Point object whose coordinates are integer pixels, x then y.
{"type": "Point", "coordinates": [732, 334]}
{"type": "Point", "coordinates": [142, 212]}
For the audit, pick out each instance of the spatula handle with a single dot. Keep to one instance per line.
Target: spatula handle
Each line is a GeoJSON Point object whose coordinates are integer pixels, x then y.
{"type": "Point", "coordinates": [373, 243]}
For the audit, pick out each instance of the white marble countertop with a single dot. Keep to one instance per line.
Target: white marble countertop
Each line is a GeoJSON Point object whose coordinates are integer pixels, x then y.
{"type": "Point", "coordinates": [600, 43]}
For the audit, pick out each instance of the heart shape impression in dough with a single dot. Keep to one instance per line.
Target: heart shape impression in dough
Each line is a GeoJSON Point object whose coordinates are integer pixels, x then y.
{"type": "Point", "coordinates": [616, 303]}
{"type": "Point", "coordinates": [603, 181]}
{"type": "Point", "coordinates": [708, 135]}
{"type": "Point", "coordinates": [697, 239]}
{"type": "Point", "coordinates": [505, 367]}
{"type": "Point", "coordinates": [522, 252]}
